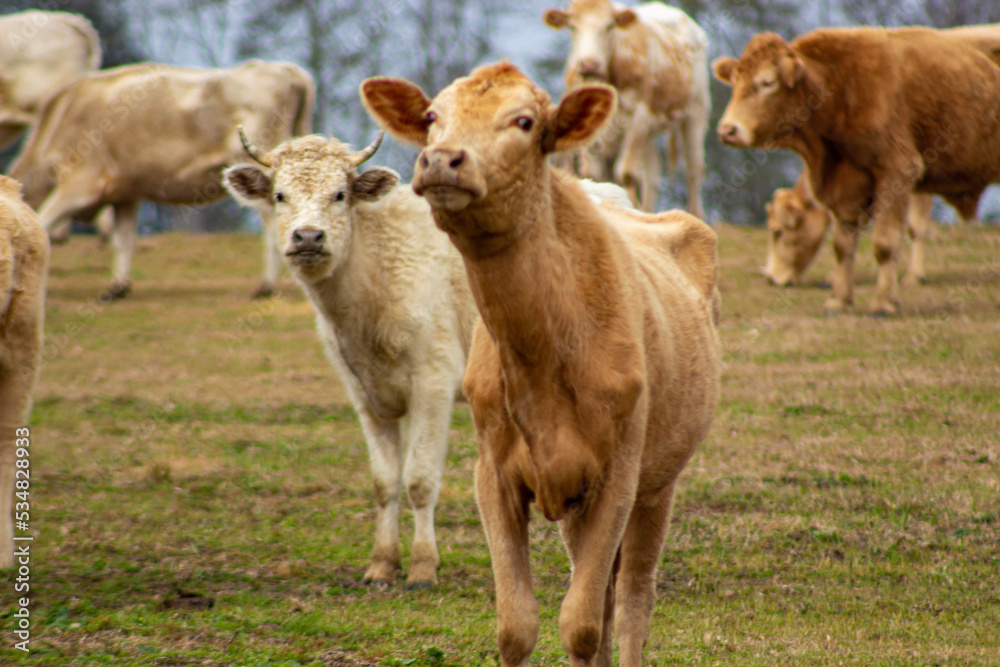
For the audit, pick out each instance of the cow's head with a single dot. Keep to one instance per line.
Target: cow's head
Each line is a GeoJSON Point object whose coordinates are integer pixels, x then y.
{"type": "Point", "coordinates": [768, 92]}
{"type": "Point", "coordinates": [796, 226]}
{"type": "Point", "coordinates": [486, 136]}
{"type": "Point", "coordinates": [592, 25]}
{"type": "Point", "coordinates": [312, 186]}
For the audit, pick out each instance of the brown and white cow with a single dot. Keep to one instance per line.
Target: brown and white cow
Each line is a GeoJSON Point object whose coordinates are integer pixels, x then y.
{"type": "Point", "coordinates": [40, 52]}
{"type": "Point", "coordinates": [876, 114]}
{"type": "Point", "coordinates": [24, 257]}
{"type": "Point", "coordinates": [157, 133]}
{"type": "Point", "coordinates": [797, 225]}
{"type": "Point", "coordinates": [594, 370]}
{"type": "Point", "coordinates": [656, 57]}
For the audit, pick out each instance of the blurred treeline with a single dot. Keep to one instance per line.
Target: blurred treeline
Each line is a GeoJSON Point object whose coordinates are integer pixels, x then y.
{"type": "Point", "coordinates": [431, 42]}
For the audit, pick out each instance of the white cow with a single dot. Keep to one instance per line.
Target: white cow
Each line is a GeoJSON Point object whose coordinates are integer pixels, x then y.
{"type": "Point", "coordinates": [158, 133]}
{"type": "Point", "coordinates": [40, 52]}
{"type": "Point", "coordinates": [656, 57]}
{"type": "Point", "coordinates": [393, 310]}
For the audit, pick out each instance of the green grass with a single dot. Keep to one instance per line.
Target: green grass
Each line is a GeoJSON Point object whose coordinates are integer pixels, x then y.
{"type": "Point", "coordinates": [200, 489]}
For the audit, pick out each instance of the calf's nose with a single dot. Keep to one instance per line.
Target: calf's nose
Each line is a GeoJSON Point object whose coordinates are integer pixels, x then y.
{"type": "Point", "coordinates": [727, 131]}
{"type": "Point", "coordinates": [589, 66]}
{"type": "Point", "coordinates": [307, 237]}
{"type": "Point", "coordinates": [445, 159]}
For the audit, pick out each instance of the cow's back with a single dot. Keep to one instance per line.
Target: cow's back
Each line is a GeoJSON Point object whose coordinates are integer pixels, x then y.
{"type": "Point", "coordinates": [40, 52]}
{"type": "Point", "coordinates": [676, 277]}
{"type": "Point", "coordinates": [162, 133]}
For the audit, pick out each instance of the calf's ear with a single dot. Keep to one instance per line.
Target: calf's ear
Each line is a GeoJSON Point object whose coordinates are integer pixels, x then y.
{"type": "Point", "coordinates": [556, 18]}
{"type": "Point", "coordinates": [723, 69]}
{"type": "Point", "coordinates": [625, 17]}
{"type": "Point", "coordinates": [398, 106]}
{"type": "Point", "coordinates": [249, 184]}
{"type": "Point", "coordinates": [791, 70]}
{"type": "Point", "coordinates": [373, 184]}
{"type": "Point", "coordinates": [578, 119]}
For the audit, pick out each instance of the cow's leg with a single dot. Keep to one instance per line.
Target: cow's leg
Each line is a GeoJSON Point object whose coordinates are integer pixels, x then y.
{"type": "Point", "coordinates": [918, 224]}
{"type": "Point", "coordinates": [385, 455]}
{"type": "Point", "coordinates": [887, 236]}
{"type": "Point", "coordinates": [630, 166]}
{"type": "Point", "coordinates": [636, 582]}
{"type": "Point", "coordinates": [845, 244]}
{"type": "Point", "coordinates": [427, 442]}
{"type": "Point", "coordinates": [272, 254]}
{"type": "Point", "coordinates": [693, 129]}
{"type": "Point", "coordinates": [592, 541]}
{"type": "Point", "coordinates": [59, 207]}
{"type": "Point", "coordinates": [504, 511]}
{"type": "Point", "coordinates": [652, 172]}
{"type": "Point", "coordinates": [123, 236]}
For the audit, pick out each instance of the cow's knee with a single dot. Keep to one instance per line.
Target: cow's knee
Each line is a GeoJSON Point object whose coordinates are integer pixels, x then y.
{"type": "Point", "coordinates": [421, 492]}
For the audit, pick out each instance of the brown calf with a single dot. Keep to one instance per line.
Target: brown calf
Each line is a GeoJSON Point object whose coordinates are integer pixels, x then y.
{"type": "Point", "coordinates": [594, 370]}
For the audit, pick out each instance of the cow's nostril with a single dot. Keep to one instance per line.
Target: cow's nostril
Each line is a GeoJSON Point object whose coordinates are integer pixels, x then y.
{"type": "Point", "coordinates": [457, 160]}
{"type": "Point", "coordinates": [307, 236]}
{"type": "Point", "coordinates": [423, 161]}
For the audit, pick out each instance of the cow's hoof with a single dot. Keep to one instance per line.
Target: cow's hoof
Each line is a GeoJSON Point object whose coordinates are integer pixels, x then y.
{"type": "Point", "coordinates": [824, 284]}
{"type": "Point", "coordinates": [419, 585]}
{"type": "Point", "coordinates": [381, 574]}
{"type": "Point", "coordinates": [834, 307]}
{"type": "Point", "coordinates": [263, 292]}
{"type": "Point", "coordinates": [883, 309]}
{"type": "Point", "coordinates": [910, 280]}
{"type": "Point", "coordinates": [116, 290]}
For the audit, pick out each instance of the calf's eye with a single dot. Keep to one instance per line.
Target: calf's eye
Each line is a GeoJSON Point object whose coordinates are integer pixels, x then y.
{"type": "Point", "coordinates": [524, 123]}
{"type": "Point", "coordinates": [431, 116]}
{"type": "Point", "coordinates": [279, 197]}
{"type": "Point", "coordinates": [339, 196]}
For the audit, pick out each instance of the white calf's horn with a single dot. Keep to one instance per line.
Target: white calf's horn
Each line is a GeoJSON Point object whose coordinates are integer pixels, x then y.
{"type": "Point", "coordinates": [366, 154]}
{"type": "Point", "coordinates": [254, 152]}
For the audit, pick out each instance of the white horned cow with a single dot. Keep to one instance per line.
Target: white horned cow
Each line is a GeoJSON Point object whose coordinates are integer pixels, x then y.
{"type": "Point", "coordinates": [393, 310]}
{"type": "Point", "coordinates": [594, 370]}
{"type": "Point", "coordinates": [24, 257]}
{"type": "Point", "coordinates": [157, 133]}
{"type": "Point", "coordinates": [40, 52]}
{"type": "Point", "coordinates": [656, 57]}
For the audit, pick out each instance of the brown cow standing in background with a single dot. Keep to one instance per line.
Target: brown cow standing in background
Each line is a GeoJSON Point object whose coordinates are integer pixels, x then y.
{"type": "Point", "coordinates": [876, 114]}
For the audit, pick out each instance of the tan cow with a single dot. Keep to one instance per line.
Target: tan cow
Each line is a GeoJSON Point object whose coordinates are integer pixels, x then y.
{"type": "Point", "coordinates": [656, 57]}
{"type": "Point", "coordinates": [797, 225]}
{"type": "Point", "coordinates": [24, 258]}
{"type": "Point", "coordinates": [876, 114]}
{"type": "Point", "coordinates": [157, 133]}
{"type": "Point", "coordinates": [40, 52]}
{"type": "Point", "coordinates": [594, 370]}
{"type": "Point", "coordinates": [393, 310]}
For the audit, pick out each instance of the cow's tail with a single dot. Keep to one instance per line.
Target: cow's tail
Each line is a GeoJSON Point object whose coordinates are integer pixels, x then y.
{"type": "Point", "coordinates": [83, 26]}
{"type": "Point", "coordinates": [307, 100]}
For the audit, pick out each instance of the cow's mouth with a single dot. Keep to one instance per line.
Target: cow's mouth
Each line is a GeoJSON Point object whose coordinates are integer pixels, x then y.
{"type": "Point", "coordinates": [307, 255]}
{"type": "Point", "coordinates": [448, 197]}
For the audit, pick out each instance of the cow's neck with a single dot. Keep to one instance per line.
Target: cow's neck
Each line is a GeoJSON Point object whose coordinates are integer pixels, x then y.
{"type": "Point", "coordinates": [527, 284]}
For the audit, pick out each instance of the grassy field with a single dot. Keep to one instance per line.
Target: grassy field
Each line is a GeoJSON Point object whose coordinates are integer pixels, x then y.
{"type": "Point", "coordinates": [200, 490]}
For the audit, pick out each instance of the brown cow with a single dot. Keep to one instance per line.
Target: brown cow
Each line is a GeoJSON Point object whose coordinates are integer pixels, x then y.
{"type": "Point", "coordinates": [158, 133]}
{"type": "Point", "coordinates": [24, 257]}
{"type": "Point", "coordinates": [797, 225]}
{"type": "Point", "coordinates": [656, 57]}
{"type": "Point", "coordinates": [876, 114]}
{"type": "Point", "coordinates": [594, 370]}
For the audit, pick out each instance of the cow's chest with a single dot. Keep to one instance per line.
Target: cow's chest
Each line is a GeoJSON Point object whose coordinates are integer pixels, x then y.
{"type": "Point", "coordinates": [380, 367]}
